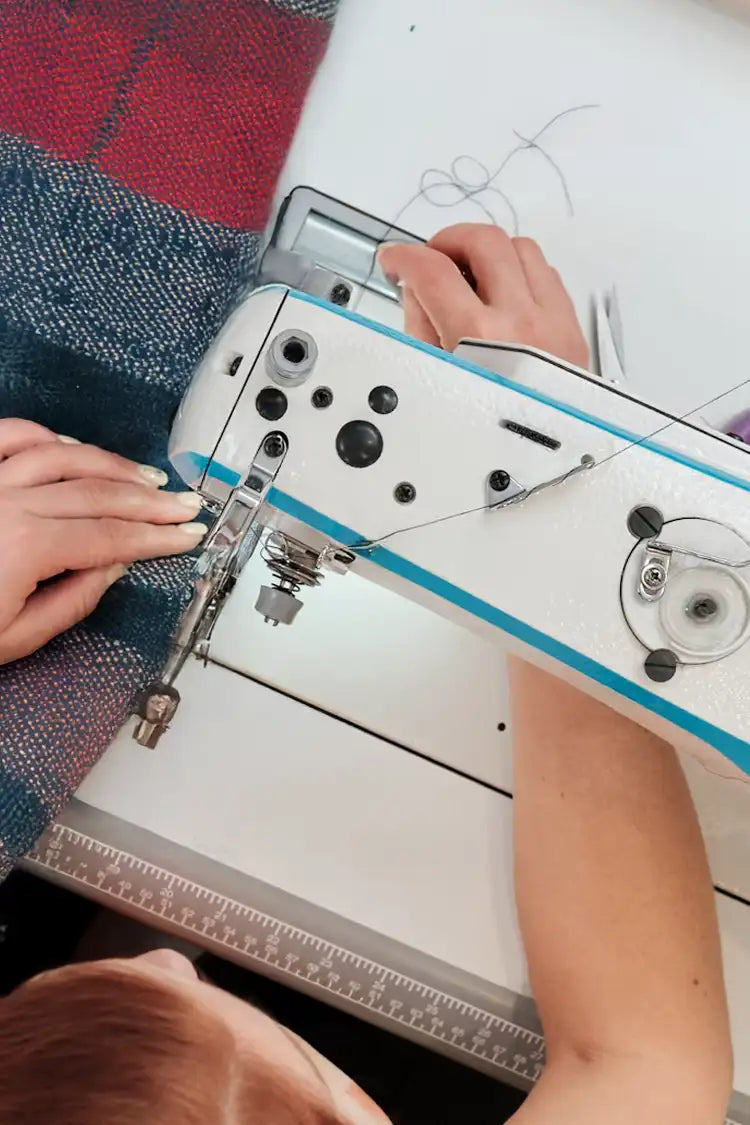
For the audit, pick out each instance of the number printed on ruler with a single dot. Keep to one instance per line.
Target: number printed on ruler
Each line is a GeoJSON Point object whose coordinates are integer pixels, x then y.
{"type": "Point", "coordinates": [267, 943]}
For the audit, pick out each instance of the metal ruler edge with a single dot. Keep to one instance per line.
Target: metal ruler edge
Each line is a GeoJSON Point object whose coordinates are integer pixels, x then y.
{"type": "Point", "coordinates": [262, 928]}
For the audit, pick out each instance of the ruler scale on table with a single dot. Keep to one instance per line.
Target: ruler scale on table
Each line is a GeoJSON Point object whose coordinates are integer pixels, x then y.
{"type": "Point", "coordinates": [376, 988]}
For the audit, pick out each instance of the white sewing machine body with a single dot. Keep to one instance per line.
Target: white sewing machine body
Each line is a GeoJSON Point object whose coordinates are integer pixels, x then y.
{"type": "Point", "coordinates": [556, 575]}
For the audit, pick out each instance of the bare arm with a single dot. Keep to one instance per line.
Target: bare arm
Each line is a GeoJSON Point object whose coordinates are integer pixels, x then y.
{"type": "Point", "coordinates": [618, 918]}
{"type": "Point", "coordinates": [614, 894]}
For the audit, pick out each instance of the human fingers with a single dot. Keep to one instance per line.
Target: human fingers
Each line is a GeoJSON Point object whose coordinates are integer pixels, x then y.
{"type": "Point", "coordinates": [54, 609]}
{"type": "Point", "coordinates": [561, 296]}
{"type": "Point", "coordinates": [543, 282]}
{"type": "Point", "coordinates": [55, 461]}
{"type": "Point", "coordinates": [566, 338]}
{"type": "Point", "coordinates": [416, 321]}
{"type": "Point", "coordinates": [435, 281]}
{"type": "Point", "coordinates": [490, 255]}
{"type": "Point", "coordinates": [79, 499]}
{"type": "Point", "coordinates": [17, 434]}
{"type": "Point", "coordinates": [81, 544]}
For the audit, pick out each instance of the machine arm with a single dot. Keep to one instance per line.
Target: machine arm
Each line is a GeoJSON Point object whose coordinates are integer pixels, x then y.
{"type": "Point", "coordinates": [584, 528]}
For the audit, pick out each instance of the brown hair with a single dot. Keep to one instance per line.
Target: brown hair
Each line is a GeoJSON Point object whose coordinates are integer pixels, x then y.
{"type": "Point", "coordinates": [96, 1044]}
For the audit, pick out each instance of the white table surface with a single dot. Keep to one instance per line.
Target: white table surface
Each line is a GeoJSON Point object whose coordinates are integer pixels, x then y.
{"type": "Point", "coordinates": [660, 178]}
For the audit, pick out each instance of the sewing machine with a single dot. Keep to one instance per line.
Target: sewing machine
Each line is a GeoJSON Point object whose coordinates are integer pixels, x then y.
{"type": "Point", "coordinates": [332, 803]}
{"type": "Point", "coordinates": [595, 534]}
{"type": "Point", "coordinates": [355, 841]}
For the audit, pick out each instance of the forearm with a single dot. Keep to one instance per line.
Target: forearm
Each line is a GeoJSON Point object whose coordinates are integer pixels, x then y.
{"type": "Point", "coordinates": [624, 1091]}
{"type": "Point", "coordinates": [614, 894]}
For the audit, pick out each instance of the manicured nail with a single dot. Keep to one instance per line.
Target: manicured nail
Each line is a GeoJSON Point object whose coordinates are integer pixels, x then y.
{"type": "Point", "coordinates": [194, 531]}
{"type": "Point", "coordinates": [115, 573]}
{"type": "Point", "coordinates": [152, 475]}
{"type": "Point", "coordinates": [189, 500]}
{"type": "Point", "coordinates": [68, 440]}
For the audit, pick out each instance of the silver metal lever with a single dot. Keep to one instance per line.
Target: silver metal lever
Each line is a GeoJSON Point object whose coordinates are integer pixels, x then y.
{"type": "Point", "coordinates": [668, 548]}
{"type": "Point", "coordinates": [587, 462]}
{"type": "Point", "coordinates": [657, 558]}
{"type": "Point", "coordinates": [228, 547]}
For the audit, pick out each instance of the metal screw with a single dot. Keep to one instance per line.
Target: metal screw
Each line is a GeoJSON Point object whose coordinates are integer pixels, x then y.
{"type": "Point", "coordinates": [404, 493]}
{"type": "Point", "coordinates": [274, 446]}
{"type": "Point", "coordinates": [322, 397]}
{"type": "Point", "coordinates": [159, 708]}
{"type": "Point", "coordinates": [499, 480]}
{"type": "Point", "coordinates": [340, 294]}
{"type": "Point", "coordinates": [654, 577]}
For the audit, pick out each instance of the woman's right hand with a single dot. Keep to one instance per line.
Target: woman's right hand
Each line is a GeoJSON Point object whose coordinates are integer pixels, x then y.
{"type": "Point", "coordinates": [515, 296]}
{"type": "Point", "coordinates": [79, 515]}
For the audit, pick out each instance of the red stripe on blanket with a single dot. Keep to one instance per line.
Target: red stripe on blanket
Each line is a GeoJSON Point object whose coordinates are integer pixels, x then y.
{"type": "Point", "coordinates": [205, 119]}
{"type": "Point", "coordinates": [61, 67]}
{"type": "Point", "coordinates": [211, 114]}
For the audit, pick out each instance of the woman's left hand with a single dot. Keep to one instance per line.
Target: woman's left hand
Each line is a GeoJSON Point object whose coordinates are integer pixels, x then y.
{"type": "Point", "coordinates": [77, 515]}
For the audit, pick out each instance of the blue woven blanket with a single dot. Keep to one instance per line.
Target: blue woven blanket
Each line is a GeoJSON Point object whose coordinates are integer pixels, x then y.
{"type": "Point", "coordinates": [140, 144]}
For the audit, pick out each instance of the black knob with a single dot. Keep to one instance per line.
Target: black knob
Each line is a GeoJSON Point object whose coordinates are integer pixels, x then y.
{"type": "Point", "coordinates": [359, 444]}
{"type": "Point", "coordinates": [645, 522]}
{"type": "Point", "coordinates": [661, 665]}
{"type": "Point", "coordinates": [271, 404]}
{"type": "Point", "coordinates": [383, 400]}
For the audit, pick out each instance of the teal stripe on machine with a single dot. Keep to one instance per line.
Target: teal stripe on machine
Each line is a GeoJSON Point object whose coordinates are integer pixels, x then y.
{"type": "Point", "coordinates": [727, 744]}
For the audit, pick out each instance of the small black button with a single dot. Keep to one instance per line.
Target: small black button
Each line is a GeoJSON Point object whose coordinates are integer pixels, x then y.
{"type": "Point", "coordinates": [271, 404]}
{"type": "Point", "coordinates": [383, 400]}
{"type": "Point", "coordinates": [645, 522]}
{"type": "Point", "coordinates": [359, 444]}
{"type": "Point", "coordinates": [661, 665]}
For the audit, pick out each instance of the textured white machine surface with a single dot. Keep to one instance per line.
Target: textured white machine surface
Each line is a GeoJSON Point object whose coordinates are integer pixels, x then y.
{"type": "Point", "coordinates": [546, 572]}
{"type": "Point", "coordinates": [660, 187]}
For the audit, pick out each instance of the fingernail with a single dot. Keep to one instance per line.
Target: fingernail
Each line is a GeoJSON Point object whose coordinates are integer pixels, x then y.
{"type": "Point", "coordinates": [69, 440]}
{"type": "Point", "coordinates": [386, 246]}
{"type": "Point", "coordinates": [391, 277]}
{"type": "Point", "coordinates": [194, 531]}
{"type": "Point", "coordinates": [189, 500]}
{"type": "Point", "coordinates": [115, 573]}
{"type": "Point", "coordinates": [152, 475]}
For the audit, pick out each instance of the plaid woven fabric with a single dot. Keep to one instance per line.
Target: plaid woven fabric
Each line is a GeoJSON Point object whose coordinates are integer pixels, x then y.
{"type": "Point", "coordinates": [140, 144]}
